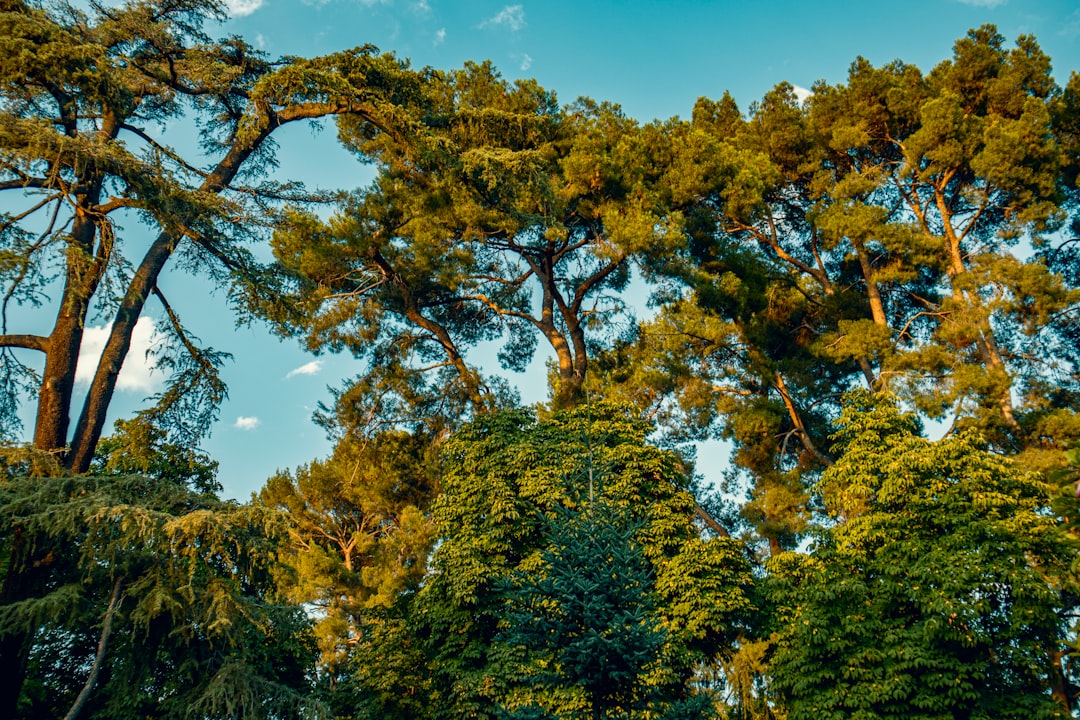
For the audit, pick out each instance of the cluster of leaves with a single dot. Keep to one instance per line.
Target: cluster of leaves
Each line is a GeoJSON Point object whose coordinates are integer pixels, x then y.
{"type": "Point", "coordinates": [578, 524]}
{"type": "Point", "coordinates": [945, 587]}
{"type": "Point", "coordinates": [358, 535]}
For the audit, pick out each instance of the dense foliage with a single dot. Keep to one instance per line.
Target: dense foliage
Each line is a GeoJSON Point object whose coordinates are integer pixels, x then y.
{"type": "Point", "coordinates": [944, 591]}
{"type": "Point", "coordinates": [828, 276]}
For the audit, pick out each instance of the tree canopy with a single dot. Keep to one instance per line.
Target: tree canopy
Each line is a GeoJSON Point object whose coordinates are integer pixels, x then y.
{"type": "Point", "coordinates": [871, 293]}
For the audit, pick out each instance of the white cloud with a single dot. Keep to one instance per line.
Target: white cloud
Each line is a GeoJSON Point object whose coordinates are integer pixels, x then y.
{"type": "Point", "coordinates": [422, 7]}
{"type": "Point", "coordinates": [310, 368]}
{"type": "Point", "coordinates": [241, 8]}
{"type": "Point", "coordinates": [801, 93]}
{"type": "Point", "coordinates": [371, 3]}
{"type": "Point", "coordinates": [260, 41]}
{"type": "Point", "coordinates": [245, 422]}
{"type": "Point", "coordinates": [138, 373]}
{"type": "Point", "coordinates": [440, 36]}
{"type": "Point", "coordinates": [526, 62]}
{"type": "Point", "coordinates": [512, 16]}
{"type": "Point", "coordinates": [984, 3]}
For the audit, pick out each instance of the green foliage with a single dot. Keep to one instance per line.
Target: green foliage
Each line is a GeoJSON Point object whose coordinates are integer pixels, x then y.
{"type": "Point", "coordinates": [500, 216]}
{"type": "Point", "coordinates": [197, 628]}
{"type": "Point", "coordinates": [897, 231]}
{"type": "Point", "coordinates": [940, 591]}
{"type": "Point", "coordinates": [587, 621]}
{"type": "Point", "coordinates": [506, 478]}
{"type": "Point", "coordinates": [139, 447]}
{"type": "Point", "coordinates": [85, 91]}
{"type": "Point", "coordinates": [872, 234]}
{"type": "Point", "coordinates": [358, 537]}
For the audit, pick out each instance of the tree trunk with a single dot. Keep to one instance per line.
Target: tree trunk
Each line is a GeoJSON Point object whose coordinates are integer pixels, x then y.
{"type": "Point", "coordinates": [95, 408]}
{"type": "Point", "coordinates": [14, 653]}
{"type": "Point", "coordinates": [986, 341]}
{"type": "Point", "coordinates": [1059, 685]}
{"type": "Point", "coordinates": [92, 419]}
{"type": "Point", "coordinates": [20, 582]}
{"type": "Point", "coordinates": [65, 340]}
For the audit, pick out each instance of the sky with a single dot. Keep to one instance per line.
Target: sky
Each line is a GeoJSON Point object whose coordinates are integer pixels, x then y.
{"type": "Point", "coordinates": [653, 58]}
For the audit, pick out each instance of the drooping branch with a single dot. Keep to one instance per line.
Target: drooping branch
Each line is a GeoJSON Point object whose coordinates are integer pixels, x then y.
{"type": "Point", "coordinates": [99, 657]}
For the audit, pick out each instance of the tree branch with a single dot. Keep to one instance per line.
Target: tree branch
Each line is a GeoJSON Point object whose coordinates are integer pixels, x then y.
{"type": "Point", "coordinates": [27, 342]}
{"type": "Point", "coordinates": [103, 641]}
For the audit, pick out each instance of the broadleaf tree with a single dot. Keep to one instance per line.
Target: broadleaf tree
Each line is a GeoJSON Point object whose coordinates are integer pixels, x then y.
{"type": "Point", "coordinates": [506, 477]}
{"type": "Point", "coordinates": [944, 588]}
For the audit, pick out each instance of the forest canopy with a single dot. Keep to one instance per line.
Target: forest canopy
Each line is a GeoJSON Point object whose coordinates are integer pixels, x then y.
{"type": "Point", "coordinates": [828, 277]}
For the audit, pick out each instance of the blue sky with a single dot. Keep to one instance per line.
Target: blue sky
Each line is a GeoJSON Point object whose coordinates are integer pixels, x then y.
{"type": "Point", "coordinates": [653, 58]}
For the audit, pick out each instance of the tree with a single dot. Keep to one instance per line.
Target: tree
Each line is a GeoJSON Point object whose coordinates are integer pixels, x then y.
{"type": "Point", "coordinates": [587, 623]}
{"type": "Point", "coordinates": [505, 216]}
{"type": "Point", "coordinates": [80, 94]}
{"type": "Point", "coordinates": [505, 476]}
{"type": "Point", "coordinates": [943, 589]}
{"type": "Point", "coordinates": [895, 232]}
{"type": "Point", "coordinates": [358, 535]}
{"type": "Point", "coordinates": [140, 597]}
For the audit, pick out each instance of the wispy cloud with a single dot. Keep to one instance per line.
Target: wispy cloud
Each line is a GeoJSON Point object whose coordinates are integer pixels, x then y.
{"type": "Point", "coordinates": [440, 36]}
{"type": "Point", "coordinates": [311, 368]}
{"type": "Point", "coordinates": [240, 8]}
{"type": "Point", "coordinates": [526, 62]}
{"type": "Point", "coordinates": [421, 6]}
{"type": "Point", "coordinates": [138, 372]}
{"type": "Point", "coordinates": [245, 422]}
{"type": "Point", "coordinates": [984, 3]}
{"type": "Point", "coordinates": [511, 17]}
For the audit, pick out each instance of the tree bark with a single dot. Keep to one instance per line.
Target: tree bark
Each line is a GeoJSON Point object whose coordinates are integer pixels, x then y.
{"type": "Point", "coordinates": [65, 340]}
{"type": "Point", "coordinates": [1059, 685]}
{"type": "Point", "coordinates": [986, 341]}
{"type": "Point", "coordinates": [92, 419]}
{"type": "Point", "coordinates": [95, 408]}
{"type": "Point", "coordinates": [19, 584]}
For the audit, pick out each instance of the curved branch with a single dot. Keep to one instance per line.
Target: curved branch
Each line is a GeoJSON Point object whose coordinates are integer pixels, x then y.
{"type": "Point", "coordinates": [103, 642]}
